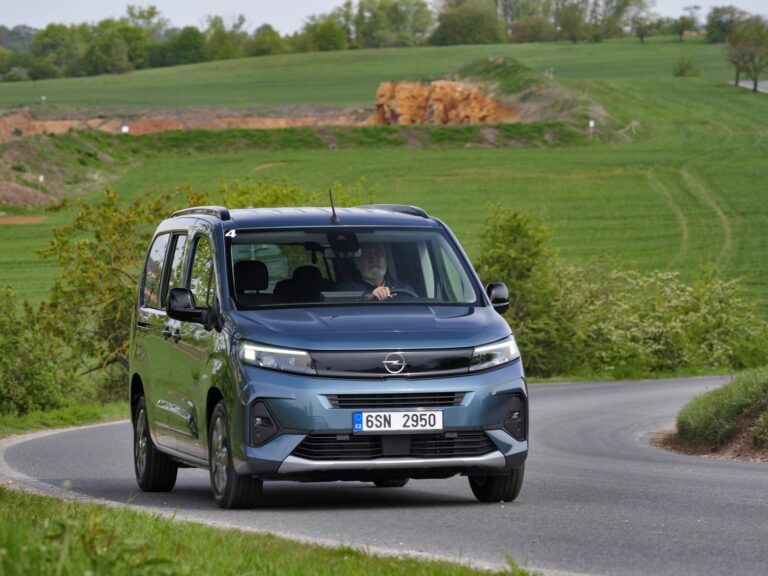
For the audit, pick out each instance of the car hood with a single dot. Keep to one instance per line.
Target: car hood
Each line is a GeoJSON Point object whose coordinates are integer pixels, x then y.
{"type": "Point", "coordinates": [371, 327]}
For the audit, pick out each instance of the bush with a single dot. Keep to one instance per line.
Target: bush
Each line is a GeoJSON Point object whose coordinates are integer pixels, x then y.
{"type": "Point", "coordinates": [37, 370]}
{"type": "Point", "coordinates": [532, 29]}
{"type": "Point", "coordinates": [592, 320]}
{"type": "Point", "coordinates": [712, 419]}
{"type": "Point", "coordinates": [685, 67]}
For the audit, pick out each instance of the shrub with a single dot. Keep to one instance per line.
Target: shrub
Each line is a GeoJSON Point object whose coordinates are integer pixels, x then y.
{"type": "Point", "coordinates": [532, 29]}
{"type": "Point", "coordinates": [36, 366]}
{"type": "Point", "coordinates": [685, 67]}
{"type": "Point", "coordinates": [590, 319]}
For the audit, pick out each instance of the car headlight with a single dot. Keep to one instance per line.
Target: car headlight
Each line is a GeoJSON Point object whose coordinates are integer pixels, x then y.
{"type": "Point", "coordinates": [494, 354]}
{"type": "Point", "coordinates": [283, 359]}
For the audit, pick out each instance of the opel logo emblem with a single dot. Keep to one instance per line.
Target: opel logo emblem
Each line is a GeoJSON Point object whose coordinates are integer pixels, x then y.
{"type": "Point", "coordinates": [394, 363]}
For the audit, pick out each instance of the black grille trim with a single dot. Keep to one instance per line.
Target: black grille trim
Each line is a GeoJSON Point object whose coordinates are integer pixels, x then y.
{"type": "Point", "coordinates": [324, 446]}
{"type": "Point", "coordinates": [404, 400]}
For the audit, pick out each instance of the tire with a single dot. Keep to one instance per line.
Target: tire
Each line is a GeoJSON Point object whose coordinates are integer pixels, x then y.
{"type": "Point", "coordinates": [498, 488]}
{"type": "Point", "coordinates": [391, 482]}
{"type": "Point", "coordinates": [229, 489]}
{"type": "Point", "coordinates": [155, 471]}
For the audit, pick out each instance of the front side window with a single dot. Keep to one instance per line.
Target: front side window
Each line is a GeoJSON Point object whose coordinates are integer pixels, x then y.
{"type": "Point", "coordinates": [202, 280]}
{"type": "Point", "coordinates": [153, 273]}
{"type": "Point", "coordinates": [290, 267]}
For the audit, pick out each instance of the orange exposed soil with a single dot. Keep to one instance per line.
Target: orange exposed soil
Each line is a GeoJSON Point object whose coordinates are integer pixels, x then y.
{"type": "Point", "coordinates": [440, 102]}
{"type": "Point", "coordinates": [21, 220]}
{"type": "Point", "coordinates": [20, 124]}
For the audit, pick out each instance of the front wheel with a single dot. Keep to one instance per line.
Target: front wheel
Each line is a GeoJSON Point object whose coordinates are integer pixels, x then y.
{"type": "Point", "coordinates": [498, 488]}
{"type": "Point", "coordinates": [229, 489]}
{"type": "Point", "coordinates": [155, 471]}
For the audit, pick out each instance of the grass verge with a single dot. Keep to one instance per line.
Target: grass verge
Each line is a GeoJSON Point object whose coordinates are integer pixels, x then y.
{"type": "Point", "coordinates": [42, 535]}
{"type": "Point", "coordinates": [62, 418]}
{"type": "Point", "coordinates": [715, 418]}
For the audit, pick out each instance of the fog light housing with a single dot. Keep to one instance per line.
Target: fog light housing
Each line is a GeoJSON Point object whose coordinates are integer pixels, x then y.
{"type": "Point", "coordinates": [516, 421]}
{"type": "Point", "coordinates": [264, 426]}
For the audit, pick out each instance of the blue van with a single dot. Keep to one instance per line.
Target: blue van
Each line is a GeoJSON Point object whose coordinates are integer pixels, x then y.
{"type": "Point", "coordinates": [321, 344]}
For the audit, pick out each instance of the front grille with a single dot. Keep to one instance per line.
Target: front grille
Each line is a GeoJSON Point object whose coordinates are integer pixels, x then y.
{"type": "Point", "coordinates": [451, 444]}
{"type": "Point", "coordinates": [363, 447]}
{"type": "Point", "coordinates": [338, 447]}
{"type": "Point", "coordinates": [405, 400]}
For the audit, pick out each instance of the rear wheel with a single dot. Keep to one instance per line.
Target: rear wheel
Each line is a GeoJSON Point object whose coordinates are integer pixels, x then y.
{"type": "Point", "coordinates": [498, 488]}
{"type": "Point", "coordinates": [391, 482]}
{"type": "Point", "coordinates": [229, 489]}
{"type": "Point", "coordinates": [155, 471]}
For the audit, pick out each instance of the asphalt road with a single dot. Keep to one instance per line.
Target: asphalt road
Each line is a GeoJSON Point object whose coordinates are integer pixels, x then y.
{"type": "Point", "coordinates": [597, 497]}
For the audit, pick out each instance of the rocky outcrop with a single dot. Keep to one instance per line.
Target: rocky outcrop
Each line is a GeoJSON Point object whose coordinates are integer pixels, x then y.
{"type": "Point", "coordinates": [441, 102]}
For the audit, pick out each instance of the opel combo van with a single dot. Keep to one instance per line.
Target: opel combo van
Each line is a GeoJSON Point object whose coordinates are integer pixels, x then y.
{"type": "Point", "coordinates": [316, 344]}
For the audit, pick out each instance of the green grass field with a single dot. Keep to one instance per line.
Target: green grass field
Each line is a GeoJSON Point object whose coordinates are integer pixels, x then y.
{"type": "Point", "coordinates": [351, 78]}
{"type": "Point", "coordinates": [686, 192]}
{"type": "Point", "coordinates": [40, 535]}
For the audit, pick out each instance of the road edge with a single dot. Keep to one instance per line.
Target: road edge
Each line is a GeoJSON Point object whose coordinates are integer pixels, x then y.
{"type": "Point", "coordinates": [12, 479]}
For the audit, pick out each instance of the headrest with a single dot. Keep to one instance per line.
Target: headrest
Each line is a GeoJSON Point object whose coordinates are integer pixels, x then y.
{"type": "Point", "coordinates": [307, 274]}
{"type": "Point", "coordinates": [251, 275]}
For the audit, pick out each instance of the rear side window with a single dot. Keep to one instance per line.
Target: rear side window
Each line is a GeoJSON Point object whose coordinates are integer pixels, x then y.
{"type": "Point", "coordinates": [202, 281]}
{"type": "Point", "coordinates": [153, 273]}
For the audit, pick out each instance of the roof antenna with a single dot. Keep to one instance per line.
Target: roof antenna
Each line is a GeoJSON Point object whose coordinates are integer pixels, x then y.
{"type": "Point", "coordinates": [334, 217]}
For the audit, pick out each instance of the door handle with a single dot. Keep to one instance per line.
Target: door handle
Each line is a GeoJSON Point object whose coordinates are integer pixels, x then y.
{"type": "Point", "coordinates": [167, 334]}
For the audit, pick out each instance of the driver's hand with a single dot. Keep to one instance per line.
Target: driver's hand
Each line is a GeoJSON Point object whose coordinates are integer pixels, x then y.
{"type": "Point", "coordinates": [380, 293]}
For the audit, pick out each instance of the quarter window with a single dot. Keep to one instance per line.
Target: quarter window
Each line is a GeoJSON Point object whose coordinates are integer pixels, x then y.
{"type": "Point", "coordinates": [177, 264]}
{"type": "Point", "coordinates": [153, 273]}
{"type": "Point", "coordinates": [202, 280]}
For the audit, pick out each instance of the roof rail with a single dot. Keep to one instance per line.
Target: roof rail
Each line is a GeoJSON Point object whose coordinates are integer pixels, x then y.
{"type": "Point", "coordinates": [218, 211]}
{"type": "Point", "coordinates": [401, 208]}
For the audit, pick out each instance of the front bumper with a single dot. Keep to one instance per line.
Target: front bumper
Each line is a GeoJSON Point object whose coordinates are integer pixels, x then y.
{"type": "Point", "coordinates": [302, 408]}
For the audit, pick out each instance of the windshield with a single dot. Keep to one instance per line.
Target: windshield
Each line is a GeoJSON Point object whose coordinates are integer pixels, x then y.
{"type": "Point", "coordinates": [290, 267]}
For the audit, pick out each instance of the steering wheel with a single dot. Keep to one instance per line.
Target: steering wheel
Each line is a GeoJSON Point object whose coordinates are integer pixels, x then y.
{"type": "Point", "coordinates": [405, 292]}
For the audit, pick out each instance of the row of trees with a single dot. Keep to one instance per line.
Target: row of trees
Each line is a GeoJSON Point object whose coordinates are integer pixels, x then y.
{"type": "Point", "coordinates": [143, 38]}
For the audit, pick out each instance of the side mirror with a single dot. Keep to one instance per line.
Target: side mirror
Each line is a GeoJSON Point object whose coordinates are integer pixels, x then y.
{"type": "Point", "coordinates": [499, 296]}
{"type": "Point", "coordinates": [181, 306]}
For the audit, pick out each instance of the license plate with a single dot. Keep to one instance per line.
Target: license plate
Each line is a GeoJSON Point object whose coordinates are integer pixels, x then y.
{"type": "Point", "coordinates": [397, 421]}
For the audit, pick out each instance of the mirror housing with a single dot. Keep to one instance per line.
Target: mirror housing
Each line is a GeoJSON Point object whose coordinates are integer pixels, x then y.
{"type": "Point", "coordinates": [499, 296]}
{"type": "Point", "coordinates": [181, 306]}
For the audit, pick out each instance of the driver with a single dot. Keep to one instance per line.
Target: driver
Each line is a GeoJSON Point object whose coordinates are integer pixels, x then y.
{"type": "Point", "coordinates": [373, 279]}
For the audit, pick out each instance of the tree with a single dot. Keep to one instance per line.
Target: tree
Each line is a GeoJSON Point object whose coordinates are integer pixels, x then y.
{"type": "Point", "coordinates": [570, 19]}
{"type": "Point", "coordinates": [325, 35]}
{"type": "Point", "coordinates": [682, 25]}
{"type": "Point", "coordinates": [643, 26]}
{"type": "Point", "coordinates": [747, 49]}
{"type": "Point", "coordinates": [722, 21]}
{"type": "Point", "coordinates": [531, 29]}
{"type": "Point", "coordinates": [224, 43]}
{"type": "Point", "coordinates": [474, 22]}
{"type": "Point", "coordinates": [188, 47]}
{"type": "Point", "coordinates": [266, 41]}
{"type": "Point", "coordinates": [107, 52]}
{"type": "Point", "coordinates": [149, 21]}
{"type": "Point", "coordinates": [385, 23]}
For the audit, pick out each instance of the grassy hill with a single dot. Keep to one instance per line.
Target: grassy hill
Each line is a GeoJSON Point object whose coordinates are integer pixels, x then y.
{"type": "Point", "coordinates": [351, 78]}
{"type": "Point", "coordinates": [679, 188]}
